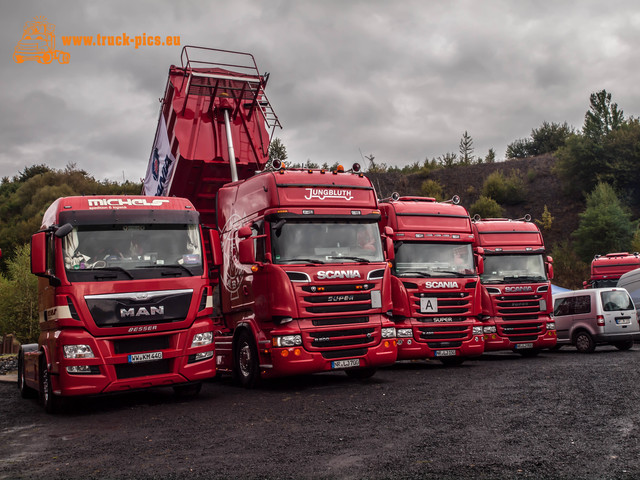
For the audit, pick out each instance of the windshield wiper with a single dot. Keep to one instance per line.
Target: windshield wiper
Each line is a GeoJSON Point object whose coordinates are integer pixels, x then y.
{"type": "Point", "coordinates": [114, 269]}
{"type": "Point", "coordinates": [176, 265]}
{"type": "Point", "coordinates": [413, 274]}
{"type": "Point", "coordinates": [524, 278]}
{"type": "Point", "coordinates": [457, 274]}
{"type": "Point", "coordinates": [304, 260]}
{"type": "Point", "coordinates": [355, 259]}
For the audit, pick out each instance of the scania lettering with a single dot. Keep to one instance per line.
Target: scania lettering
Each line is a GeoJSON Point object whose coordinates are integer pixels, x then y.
{"type": "Point", "coordinates": [304, 282]}
{"type": "Point", "coordinates": [435, 285]}
{"type": "Point", "coordinates": [113, 286]}
{"type": "Point", "coordinates": [516, 286]}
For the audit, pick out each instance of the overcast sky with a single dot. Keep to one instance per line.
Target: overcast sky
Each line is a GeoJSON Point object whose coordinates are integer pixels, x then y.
{"type": "Point", "coordinates": [402, 80]}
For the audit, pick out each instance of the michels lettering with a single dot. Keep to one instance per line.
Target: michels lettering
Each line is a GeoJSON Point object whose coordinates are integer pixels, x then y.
{"type": "Point", "coordinates": [441, 285]}
{"type": "Point", "coordinates": [334, 274]}
{"type": "Point", "coordinates": [323, 193]}
{"type": "Point", "coordinates": [124, 202]}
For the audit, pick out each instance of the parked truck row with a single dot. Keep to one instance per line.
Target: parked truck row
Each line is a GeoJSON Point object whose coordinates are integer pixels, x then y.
{"type": "Point", "coordinates": [231, 264]}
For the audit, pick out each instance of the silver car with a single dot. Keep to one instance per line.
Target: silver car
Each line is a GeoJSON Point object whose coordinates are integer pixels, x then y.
{"type": "Point", "coordinates": [586, 318]}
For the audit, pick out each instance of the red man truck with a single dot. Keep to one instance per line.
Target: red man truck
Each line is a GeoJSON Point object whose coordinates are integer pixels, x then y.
{"type": "Point", "coordinates": [124, 299]}
{"type": "Point", "coordinates": [298, 291]}
{"type": "Point", "coordinates": [607, 269]}
{"type": "Point", "coordinates": [435, 284]}
{"type": "Point", "coordinates": [516, 286]}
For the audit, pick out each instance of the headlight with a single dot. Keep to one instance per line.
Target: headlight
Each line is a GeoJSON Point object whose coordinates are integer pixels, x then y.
{"type": "Point", "coordinates": [551, 325]}
{"type": "Point", "coordinates": [490, 329]}
{"type": "Point", "coordinates": [389, 332]}
{"type": "Point", "coordinates": [543, 305]}
{"type": "Point", "coordinates": [477, 330]}
{"type": "Point", "coordinates": [287, 341]}
{"type": "Point", "coordinates": [77, 351]}
{"type": "Point", "coordinates": [404, 333]}
{"type": "Point", "coordinates": [201, 339]}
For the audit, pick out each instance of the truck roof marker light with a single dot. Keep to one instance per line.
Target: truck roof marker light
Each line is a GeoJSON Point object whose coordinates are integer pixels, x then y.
{"type": "Point", "coordinates": [455, 236]}
{"type": "Point", "coordinates": [419, 235]}
{"type": "Point", "coordinates": [323, 171]}
{"type": "Point", "coordinates": [282, 211]}
{"type": "Point", "coordinates": [307, 212]}
{"type": "Point", "coordinates": [528, 249]}
{"type": "Point", "coordinates": [356, 212]}
{"type": "Point", "coordinates": [254, 268]}
{"type": "Point", "coordinates": [339, 169]}
{"type": "Point", "coordinates": [310, 171]}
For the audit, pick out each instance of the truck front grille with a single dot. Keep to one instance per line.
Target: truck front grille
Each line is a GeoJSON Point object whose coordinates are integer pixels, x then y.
{"type": "Point", "coordinates": [142, 344]}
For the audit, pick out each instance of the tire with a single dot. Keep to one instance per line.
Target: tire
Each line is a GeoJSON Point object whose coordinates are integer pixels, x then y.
{"type": "Point", "coordinates": [623, 346]}
{"type": "Point", "coordinates": [246, 362]}
{"type": "Point", "coordinates": [584, 342]}
{"type": "Point", "coordinates": [187, 391]}
{"type": "Point", "coordinates": [529, 353]}
{"type": "Point", "coordinates": [452, 361]}
{"type": "Point", "coordinates": [360, 373]}
{"type": "Point", "coordinates": [25, 391]}
{"type": "Point", "coordinates": [51, 403]}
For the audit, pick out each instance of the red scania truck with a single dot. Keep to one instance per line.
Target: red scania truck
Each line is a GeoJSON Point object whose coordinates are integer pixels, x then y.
{"type": "Point", "coordinates": [124, 299]}
{"type": "Point", "coordinates": [516, 286]}
{"type": "Point", "coordinates": [298, 291]}
{"type": "Point", "coordinates": [435, 284]}
{"type": "Point", "coordinates": [607, 269]}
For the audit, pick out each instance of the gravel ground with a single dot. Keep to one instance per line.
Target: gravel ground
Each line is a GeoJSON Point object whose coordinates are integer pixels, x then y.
{"type": "Point", "coordinates": [560, 415]}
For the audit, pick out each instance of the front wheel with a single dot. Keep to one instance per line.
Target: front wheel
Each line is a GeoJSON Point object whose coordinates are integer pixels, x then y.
{"type": "Point", "coordinates": [585, 343]}
{"type": "Point", "coordinates": [246, 362]}
{"type": "Point", "coordinates": [625, 345]}
{"type": "Point", "coordinates": [51, 403]}
{"type": "Point", "coordinates": [360, 373]}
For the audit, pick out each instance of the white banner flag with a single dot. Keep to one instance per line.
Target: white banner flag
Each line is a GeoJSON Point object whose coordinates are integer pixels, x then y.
{"type": "Point", "coordinates": [158, 178]}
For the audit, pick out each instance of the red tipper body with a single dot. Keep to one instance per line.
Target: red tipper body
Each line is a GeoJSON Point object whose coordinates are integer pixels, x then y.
{"type": "Point", "coordinates": [124, 300]}
{"type": "Point", "coordinates": [318, 296]}
{"type": "Point", "coordinates": [516, 286]}
{"type": "Point", "coordinates": [607, 269]}
{"type": "Point", "coordinates": [435, 285]}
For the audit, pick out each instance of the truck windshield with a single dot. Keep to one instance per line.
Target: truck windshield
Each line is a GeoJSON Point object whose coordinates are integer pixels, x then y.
{"type": "Point", "coordinates": [421, 259]}
{"type": "Point", "coordinates": [100, 252]}
{"type": "Point", "coordinates": [513, 269]}
{"type": "Point", "coordinates": [325, 242]}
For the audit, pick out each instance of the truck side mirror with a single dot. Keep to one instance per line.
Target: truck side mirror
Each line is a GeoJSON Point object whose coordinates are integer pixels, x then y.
{"type": "Point", "coordinates": [216, 248]}
{"type": "Point", "coordinates": [550, 268]}
{"type": "Point", "coordinates": [39, 254]}
{"type": "Point", "coordinates": [480, 264]}
{"type": "Point", "coordinates": [246, 254]}
{"type": "Point", "coordinates": [388, 248]}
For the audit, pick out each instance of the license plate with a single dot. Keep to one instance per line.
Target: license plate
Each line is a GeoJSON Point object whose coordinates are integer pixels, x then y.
{"type": "Point", "coordinates": [523, 346]}
{"type": "Point", "coordinates": [145, 357]}
{"type": "Point", "coordinates": [428, 305]}
{"type": "Point", "coordinates": [445, 353]}
{"type": "Point", "coordinates": [354, 362]}
{"type": "Point", "coordinates": [623, 321]}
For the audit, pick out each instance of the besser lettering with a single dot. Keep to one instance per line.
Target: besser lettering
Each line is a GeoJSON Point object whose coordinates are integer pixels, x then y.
{"type": "Point", "coordinates": [335, 274]}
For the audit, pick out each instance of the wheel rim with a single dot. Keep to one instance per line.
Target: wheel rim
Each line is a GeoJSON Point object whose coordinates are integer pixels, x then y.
{"type": "Point", "coordinates": [245, 360]}
{"type": "Point", "coordinates": [582, 342]}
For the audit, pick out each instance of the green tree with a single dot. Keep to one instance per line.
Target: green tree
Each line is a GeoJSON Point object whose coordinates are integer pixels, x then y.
{"type": "Point", "coordinates": [432, 188]}
{"type": "Point", "coordinates": [547, 219]}
{"type": "Point", "coordinates": [277, 151]}
{"type": "Point", "coordinates": [448, 160]}
{"type": "Point", "coordinates": [19, 298]}
{"type": "Point", "coordinates": [603, 116]}
{"type": "Point", "coordinates": [569, 271]}
{"type": "Point", "coordinates": [491, 156]}
{"type": "Point", "coordinates": [466, 149]}
{"type": "Point", "coordinates": [605, 225]}
{"type": "Point", "coordinates": [509, 190]}
{"type": "Point", "coordinates": [547, 138]}
{"type": "Point", "coordinates": [485, 207]}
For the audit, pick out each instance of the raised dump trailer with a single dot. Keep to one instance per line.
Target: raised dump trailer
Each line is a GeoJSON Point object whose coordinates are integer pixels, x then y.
{"type": "Point", "coordinates": [435, 284]}
{"type": "Point", "coordinates": [297, 292]}
{"type": "Point", "coordinates": [124, 299]}
{"type": "Point", "coordinates": [516, 286]}
{"type": "Point", "coordinates": [607, 269]}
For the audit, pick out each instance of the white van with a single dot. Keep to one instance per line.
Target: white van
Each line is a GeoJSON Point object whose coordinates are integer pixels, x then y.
{"type": "Point", "coordinates": [630, 281]}
{"type": "Point", "coordinates": [586, 318]}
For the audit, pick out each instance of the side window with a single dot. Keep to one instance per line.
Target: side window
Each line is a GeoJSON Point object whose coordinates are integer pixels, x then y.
{"type": "Point", "coordinates": [259, 246]}
{"type": "Point", "coordinates": [562, 306]}
{"type": "Point", "coordinates": [583, 304]}
{"type": "Point", "coordinates": [51, 254]}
